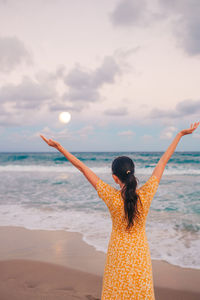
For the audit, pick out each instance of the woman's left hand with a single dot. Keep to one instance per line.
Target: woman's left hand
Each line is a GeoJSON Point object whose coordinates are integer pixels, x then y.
{"type": "Point", "coordinates": [50, 142]}
{"type": "Point", "coordinates": [189, 130]}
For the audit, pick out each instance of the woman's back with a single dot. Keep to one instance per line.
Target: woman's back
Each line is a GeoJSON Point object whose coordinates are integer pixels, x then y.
{"type": "Point", "coordinates": [128, 269]}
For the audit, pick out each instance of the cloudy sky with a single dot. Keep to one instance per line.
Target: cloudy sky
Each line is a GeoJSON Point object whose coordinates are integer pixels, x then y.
{"type": "Point", "coordinates": [127, 71]}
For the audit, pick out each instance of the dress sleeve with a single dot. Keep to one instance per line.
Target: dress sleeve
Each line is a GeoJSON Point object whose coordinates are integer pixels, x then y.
{"type": "Point", "coordinates": [147, 192]}
{"type": "Point", "coordinates": [106, 193]}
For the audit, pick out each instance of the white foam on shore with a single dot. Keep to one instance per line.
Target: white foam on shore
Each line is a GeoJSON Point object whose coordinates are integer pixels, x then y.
{"type": "Point", "coordinates": [166, 243]}
{"type": "Point", "coordinates": [102, 169]}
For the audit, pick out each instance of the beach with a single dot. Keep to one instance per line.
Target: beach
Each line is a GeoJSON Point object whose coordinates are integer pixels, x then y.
{"type": "Point", "coordinates": [58, 264]}
{"type": "Point", "coordinates": [54, 229]}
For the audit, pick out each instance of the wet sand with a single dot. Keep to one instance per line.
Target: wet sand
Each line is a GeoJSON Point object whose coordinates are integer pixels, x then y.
{"type": "Point", "coordinates": [44, 264]}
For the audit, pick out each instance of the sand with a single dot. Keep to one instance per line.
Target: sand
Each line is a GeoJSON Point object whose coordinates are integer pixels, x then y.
{"type": "Point", "coordinates": [41, 264]}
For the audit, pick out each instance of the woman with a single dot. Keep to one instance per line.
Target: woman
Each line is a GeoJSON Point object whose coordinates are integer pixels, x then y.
{"type": "Point", "coordinates": [128, 268]}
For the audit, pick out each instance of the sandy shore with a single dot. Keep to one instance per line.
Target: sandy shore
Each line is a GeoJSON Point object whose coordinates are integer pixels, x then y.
{"type": "Point", "coordinates": [40, 264]}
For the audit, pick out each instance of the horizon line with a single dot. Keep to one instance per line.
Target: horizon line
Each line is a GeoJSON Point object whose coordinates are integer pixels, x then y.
{"type": "Point", "coordinates": [1, 152]}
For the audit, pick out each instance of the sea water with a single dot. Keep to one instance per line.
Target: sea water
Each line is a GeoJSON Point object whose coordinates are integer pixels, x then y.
{"type": "Point", "coordinates": [44, 191]}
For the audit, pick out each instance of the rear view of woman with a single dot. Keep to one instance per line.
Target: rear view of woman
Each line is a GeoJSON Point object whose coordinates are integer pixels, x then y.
{"type": "Point", "coordinates": [128, 268]}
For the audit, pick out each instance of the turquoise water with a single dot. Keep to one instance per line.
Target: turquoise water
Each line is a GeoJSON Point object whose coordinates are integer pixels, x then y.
{"type": "Point", "coordinates": [44, 191]}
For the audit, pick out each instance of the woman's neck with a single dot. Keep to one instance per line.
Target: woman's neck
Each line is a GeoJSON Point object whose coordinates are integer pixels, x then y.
{"type": "Point", "coordinates": [121, 185]}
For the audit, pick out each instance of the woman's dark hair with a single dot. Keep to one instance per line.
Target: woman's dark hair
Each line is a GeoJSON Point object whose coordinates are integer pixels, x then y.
{"type": "Point", "coordinates": [123, 167]}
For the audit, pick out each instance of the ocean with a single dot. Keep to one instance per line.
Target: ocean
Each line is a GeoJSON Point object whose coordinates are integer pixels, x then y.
{"type": "Point", "coordinates": [44, 191]}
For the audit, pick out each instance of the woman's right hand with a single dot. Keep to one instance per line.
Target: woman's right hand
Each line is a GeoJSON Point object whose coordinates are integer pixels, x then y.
{"type": "Point", "coordinates": [189, 130]}
{"type": "Point", "coordinates": [50, 142]}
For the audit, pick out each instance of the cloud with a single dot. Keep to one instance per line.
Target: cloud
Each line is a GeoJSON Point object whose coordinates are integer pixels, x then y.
{"type": "Point", "coordinates": [28, 94]}
{"type": "Point", "coordinates": [12, 53]}
{"type": "Point", "coordinates": [122, 56]}
{"type": "Point", "coordinates": [159, 114]}
{"type": "Point", "coordinates": [182, 15]}
{"type": "Point", "coordinates": [188, 107]}
{"type": "Point", "coordinates": [128, 12]}
{"type": "Point", "coordinates": [20, 102]}
{"type": "Point", "coordinates": [126, 53]}
{"type": "Point", "coordinates": [59, 90]}
{"type": "Point", "coordinates": [186, 22]}
{"type": "Point", "coordinates": [126, 133]}
{"type": "Point", "coordinates": [84, 85]}
{"type": "Point", "coordinates": [45, 76]}
{"type": "Point", "coordinates": [61, 105]}
{"type": "Point", "coordinates": [52, 134]}
{"type": "Point", "coordinates": [80, 87]}
{"type": "Point", "coordinates": [183, 109]}
{"type": "Point", "coordinates": [65, 133]}
{"type": "Point", "coordinates": [121, 111]}
{"type": "Point", "coordinates": [8, 119]}
{"type": "Point", "coordinates": [168, 132]}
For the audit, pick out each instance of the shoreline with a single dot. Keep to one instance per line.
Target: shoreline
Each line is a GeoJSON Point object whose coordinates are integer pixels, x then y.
{"type": "Point", "coordinates": [62, 252]}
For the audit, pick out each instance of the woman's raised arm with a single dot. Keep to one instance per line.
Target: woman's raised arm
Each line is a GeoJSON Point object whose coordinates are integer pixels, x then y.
{"type": "Point", "coordinates": [87, 172]}
{"type": "Point", "coordinates": [159, 169]}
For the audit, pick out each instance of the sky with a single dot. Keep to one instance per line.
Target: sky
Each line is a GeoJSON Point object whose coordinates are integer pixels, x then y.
{"type": "Point", "coordinates": [127, 71]}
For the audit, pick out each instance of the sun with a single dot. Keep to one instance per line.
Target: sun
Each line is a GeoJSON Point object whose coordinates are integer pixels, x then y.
{"type": "Point", "coordinates": [65, 117]}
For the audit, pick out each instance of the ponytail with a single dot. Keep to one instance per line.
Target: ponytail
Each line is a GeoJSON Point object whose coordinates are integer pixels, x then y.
{"type": "Point", "coordinates": [123, 167]}
{"type": "Point", "coordinates": [130, 199]}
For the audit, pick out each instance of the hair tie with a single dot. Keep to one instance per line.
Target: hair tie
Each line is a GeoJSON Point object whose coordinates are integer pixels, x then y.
{"type": "Point", "coordinates": [128, 171]}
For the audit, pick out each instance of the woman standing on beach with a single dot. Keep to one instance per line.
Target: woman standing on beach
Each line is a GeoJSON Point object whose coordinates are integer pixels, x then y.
{"type": "Point", "coordinates": [128, 269]}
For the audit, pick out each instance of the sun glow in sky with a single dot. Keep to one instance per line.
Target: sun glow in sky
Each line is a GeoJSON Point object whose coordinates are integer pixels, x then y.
{"type": "Point", "coordinates": [128, 76]}
{"type": "Point", "coordinates": [64, 117]}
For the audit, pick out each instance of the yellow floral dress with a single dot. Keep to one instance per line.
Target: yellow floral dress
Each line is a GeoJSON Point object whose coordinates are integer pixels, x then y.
{"type": "Point", "coordinates": [128, 269]}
